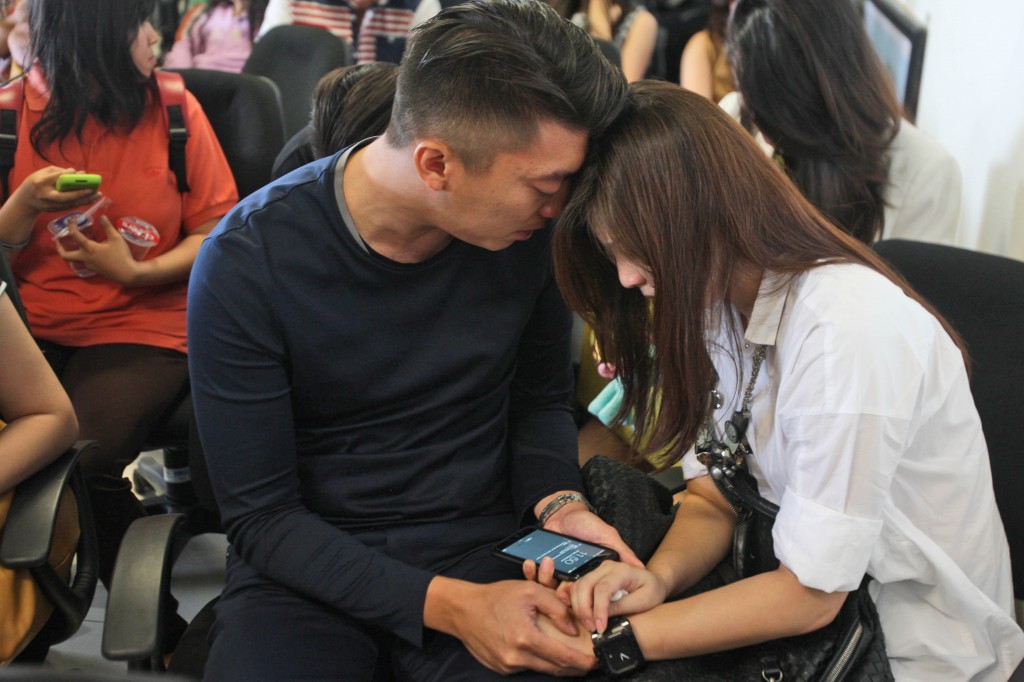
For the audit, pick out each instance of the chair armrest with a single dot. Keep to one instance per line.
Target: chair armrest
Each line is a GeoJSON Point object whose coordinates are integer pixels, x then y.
{"type": "Point", "coordinates": [140, 589]}
{"type": "Point", "coordinates": [29, 530]}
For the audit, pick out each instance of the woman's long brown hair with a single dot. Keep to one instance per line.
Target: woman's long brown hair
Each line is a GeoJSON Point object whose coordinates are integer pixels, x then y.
{"type": "Point", "coordinates": [683, 189]}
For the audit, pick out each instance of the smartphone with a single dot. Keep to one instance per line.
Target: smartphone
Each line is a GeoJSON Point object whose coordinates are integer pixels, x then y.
{"type": "Point", "coordinates": [67, 182]}
{"type": "Point", "coordinates": [573, 557]}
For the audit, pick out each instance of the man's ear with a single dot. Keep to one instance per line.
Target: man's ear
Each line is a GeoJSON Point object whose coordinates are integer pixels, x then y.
{"type": "Point", "coordinates": [436, 164]}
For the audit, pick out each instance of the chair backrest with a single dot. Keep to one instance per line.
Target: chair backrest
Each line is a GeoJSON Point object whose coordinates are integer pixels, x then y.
{"type": "Point", "coordinates": [610, 51]}
{"type": "Point", "coordinates": [982, 296]}
{"type": "Point", "coordinates": [295, 57]}
{"type": "Point", "coordinates": [245, 112]}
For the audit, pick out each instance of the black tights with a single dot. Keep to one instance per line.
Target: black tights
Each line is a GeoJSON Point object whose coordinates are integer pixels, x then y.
{"type": "Point", "coordinates": [119, 392]}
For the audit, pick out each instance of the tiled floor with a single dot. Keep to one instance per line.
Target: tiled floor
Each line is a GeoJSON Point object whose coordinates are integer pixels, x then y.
{"type": "Point", "coordinates": [198, 576]}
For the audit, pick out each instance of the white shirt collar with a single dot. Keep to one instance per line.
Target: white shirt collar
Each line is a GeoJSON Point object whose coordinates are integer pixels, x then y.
{"type": "Point", "coordinates": [765, 318]}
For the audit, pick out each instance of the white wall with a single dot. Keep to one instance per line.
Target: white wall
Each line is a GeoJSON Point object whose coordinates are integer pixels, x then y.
{"type": "Point", "coordinates": [972, 101]}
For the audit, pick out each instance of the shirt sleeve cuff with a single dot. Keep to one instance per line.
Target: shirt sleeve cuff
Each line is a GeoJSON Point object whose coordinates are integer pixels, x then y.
{"type": "Point", "coordinates": [826, 549]}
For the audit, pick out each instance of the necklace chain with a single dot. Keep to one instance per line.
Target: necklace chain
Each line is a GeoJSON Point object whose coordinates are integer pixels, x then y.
{"type": "Point", "coordinates": [724, 459]}
{"type": "Point", "coordinates": [759, 354]}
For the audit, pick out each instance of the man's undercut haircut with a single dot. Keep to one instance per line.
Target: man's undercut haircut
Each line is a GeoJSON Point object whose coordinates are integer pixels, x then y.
{"type": "Point", "coordinates": [481, 76]}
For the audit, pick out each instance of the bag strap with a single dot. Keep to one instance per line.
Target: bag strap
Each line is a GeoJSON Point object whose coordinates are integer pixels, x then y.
{"type": "Point", "coordinates": [740, 490]}
{"type": "Point", "coordinates": [172, 98]}
{"type": "Point", "coordinates": [12, 95]}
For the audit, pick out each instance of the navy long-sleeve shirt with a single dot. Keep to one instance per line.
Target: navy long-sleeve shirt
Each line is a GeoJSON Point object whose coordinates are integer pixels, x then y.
{"type": "Point", "coordinates": [342, 396]}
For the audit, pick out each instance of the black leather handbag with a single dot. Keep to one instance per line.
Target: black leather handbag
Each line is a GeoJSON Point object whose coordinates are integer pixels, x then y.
{"type": "Point", "coordinates": [850, 649]}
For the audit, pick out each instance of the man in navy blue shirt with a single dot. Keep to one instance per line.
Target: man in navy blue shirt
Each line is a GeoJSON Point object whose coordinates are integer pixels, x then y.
{"type": "Point", "coordinates": [381, 374]}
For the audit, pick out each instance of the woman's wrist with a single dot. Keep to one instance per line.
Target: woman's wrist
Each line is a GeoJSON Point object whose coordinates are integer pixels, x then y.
{"type": "Point", "coordinates": [19, 218]}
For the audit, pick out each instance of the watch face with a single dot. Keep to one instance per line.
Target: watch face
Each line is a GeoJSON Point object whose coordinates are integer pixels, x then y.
{"type": "Point", "coordinates": [621, 653]}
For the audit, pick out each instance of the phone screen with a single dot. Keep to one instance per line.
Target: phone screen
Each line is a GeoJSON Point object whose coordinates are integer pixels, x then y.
{"type": "Point", "coordinates": [569, 554]}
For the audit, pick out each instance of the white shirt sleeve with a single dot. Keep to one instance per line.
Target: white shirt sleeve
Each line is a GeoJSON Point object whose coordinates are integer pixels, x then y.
{"type": "Point", "coordinates": [731, 104]}
{"type": "Point", "coordinates": [425, 10]}
{"type": "Point", "coordinates": [923, 195]}
{"type": "Point", "coordinates": [278, 13]}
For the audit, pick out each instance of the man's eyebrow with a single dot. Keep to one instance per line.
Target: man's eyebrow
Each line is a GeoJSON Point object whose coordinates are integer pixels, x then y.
{"type": "Point", "coordinates": [554, 176]}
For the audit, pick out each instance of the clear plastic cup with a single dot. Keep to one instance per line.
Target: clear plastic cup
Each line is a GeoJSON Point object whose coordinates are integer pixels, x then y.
{"type": "Point", "coordinates": [60, 228]}
{"type": "Point", "coordinates": [140, 235]}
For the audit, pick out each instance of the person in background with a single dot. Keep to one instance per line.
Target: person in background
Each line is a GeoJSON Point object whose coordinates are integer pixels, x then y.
{"type": "Point", "coordinates": [720, 276]}
{"type": "Point", "coordinates": [350, 103]}
{"type": "Point", "coordinates": [835, 126]}
{"type": "Point", "coordinates": [13, 39]}
{"type": "Point", "coordinates": [111, 326]}
{"type": "Point", "coordinates": [376, 30]}
{"type": "Point", "coordinates": [626, 24]}
{"type": "Point", "coordinates": [37, 422]}
{"type": "Point", "coordinates": [217, 34]}
{"type": "Point", "coordinates": [809, 80]}
{"type": "Point", "coordinates": [704, 66]}
{"type": "Point", "coordinates": [381, 370]}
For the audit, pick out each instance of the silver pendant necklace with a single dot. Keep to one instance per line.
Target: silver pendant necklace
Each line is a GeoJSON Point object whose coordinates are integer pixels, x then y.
{"type": "Point", "coordinates": [723, 458]}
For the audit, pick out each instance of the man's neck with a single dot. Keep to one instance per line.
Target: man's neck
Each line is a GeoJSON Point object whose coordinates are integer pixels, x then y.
{"type": "Point", "coordinates": [389, 204]}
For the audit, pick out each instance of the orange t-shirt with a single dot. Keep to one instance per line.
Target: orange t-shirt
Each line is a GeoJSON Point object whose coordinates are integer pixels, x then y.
{"type": "Point", "coordinates": [75, 311]}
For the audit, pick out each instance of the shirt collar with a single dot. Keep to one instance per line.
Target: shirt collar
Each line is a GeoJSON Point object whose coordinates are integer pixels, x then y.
{"type": "Point", "coordinates": [765, 318]}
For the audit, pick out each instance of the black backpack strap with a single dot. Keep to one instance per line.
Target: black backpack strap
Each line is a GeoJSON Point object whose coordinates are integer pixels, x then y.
{"type": "Point", "coordinates": [11, 96]}
{"type": "Point", "coordinates": [172, 96]}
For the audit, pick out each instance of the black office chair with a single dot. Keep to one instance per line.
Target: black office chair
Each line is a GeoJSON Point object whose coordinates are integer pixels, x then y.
{"type": "Point", "coordinates": [982, 296]}
{"type": "Point", "coordinates": [140, 594]}
{"type": "Point", "coordinates": [26, 540]}
{"type": "Point", "coordinates": [295, 57]}
{"type": "Point", "coordinates": [247, 117]}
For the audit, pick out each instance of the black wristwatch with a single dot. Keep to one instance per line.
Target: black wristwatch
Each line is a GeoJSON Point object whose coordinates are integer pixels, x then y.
{"type": "Point", "coordinates": [616, 649]}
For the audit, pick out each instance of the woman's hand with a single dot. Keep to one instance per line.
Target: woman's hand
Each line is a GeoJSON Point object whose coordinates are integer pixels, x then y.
{"type": "Point", "coordinates": [110, 258]}
{"type": "Point", "coordinates": [38, 192]}
{"type": "Point", "coordinates": [577, 521]}
{"type": "Point", "coordinates": [613, 589]}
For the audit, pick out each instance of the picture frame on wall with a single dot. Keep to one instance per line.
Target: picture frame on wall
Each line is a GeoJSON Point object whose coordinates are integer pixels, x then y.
{"type": "Point", "coordinates": [899, 38]}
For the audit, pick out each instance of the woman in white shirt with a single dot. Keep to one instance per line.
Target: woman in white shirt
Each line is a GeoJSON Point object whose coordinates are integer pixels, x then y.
{"type": "Point", "coordinates": [808, 79]}
{"type": "Point", "coordinates": [690, 254]}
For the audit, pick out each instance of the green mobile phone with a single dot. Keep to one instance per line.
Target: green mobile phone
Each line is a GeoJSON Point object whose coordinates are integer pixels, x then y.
{"type": "Point", "coordinates": [72, 181]}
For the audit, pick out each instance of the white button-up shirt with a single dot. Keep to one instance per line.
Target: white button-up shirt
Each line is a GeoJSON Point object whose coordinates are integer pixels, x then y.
{"type": "Point", "coordinates": [865, 433]}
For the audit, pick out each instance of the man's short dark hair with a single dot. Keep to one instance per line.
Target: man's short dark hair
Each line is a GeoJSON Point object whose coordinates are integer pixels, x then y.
{"type": "Point", "coordinates": [481, 75]}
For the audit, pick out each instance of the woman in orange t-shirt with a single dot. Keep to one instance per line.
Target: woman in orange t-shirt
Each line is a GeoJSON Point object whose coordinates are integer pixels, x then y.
{"type": "Point", "coordinates": [111, 326]}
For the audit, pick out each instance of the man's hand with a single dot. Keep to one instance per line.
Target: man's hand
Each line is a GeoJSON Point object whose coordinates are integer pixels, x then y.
{"type": "Point", "coordinates": [498, 623]}
{"type": "Point", "coordinates": [577, 521]}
